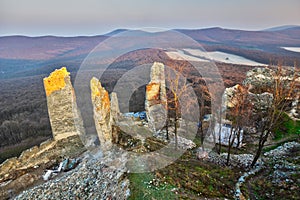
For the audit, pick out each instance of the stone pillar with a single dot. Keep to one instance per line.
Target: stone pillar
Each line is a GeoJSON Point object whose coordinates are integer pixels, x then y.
{"type": "Point", "coordinates": [101, 107]}
{"type": "Point", "coordinates": [114, 107]}
{"type": "Point", "coordinates": [64, 115]}
{"type": "Point", "coordinates": [156, 98]}
{"type": "Point", "coordinates": [114, 116]}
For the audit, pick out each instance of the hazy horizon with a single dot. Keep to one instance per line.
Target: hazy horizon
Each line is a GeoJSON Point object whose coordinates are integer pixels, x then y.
{"type": "Point", "coordinates": [97, 17]}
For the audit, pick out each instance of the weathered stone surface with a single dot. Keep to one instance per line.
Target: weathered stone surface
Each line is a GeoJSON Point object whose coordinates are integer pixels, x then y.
{"type": "Point", "coordinates": [153, 91]}
{"type": "Point", "coordinates": [64, 116]}
{"type": "Point", "coordinates": [93, 178]}
{"type": "Point", "coordinates": [17, 174]}
{"type": "Point", "coordinates": [114, 115]}
{"type": "Point", "coordinates": [156, 98]}
{"type": "Point", "coordinates": [102, 114]}
{"type": "Point", "coordinates": [282, 151]}
{"type": "Point", "coordinates": [231, 99]}
{"type": "Point", "coordinates": [114, 107]}
{"type": "Point", "coordinates": [260, 80]}
{"type": "Point", "coordinates": [261, 102]}
{"type": "Point", "coordinates": [295, 108]}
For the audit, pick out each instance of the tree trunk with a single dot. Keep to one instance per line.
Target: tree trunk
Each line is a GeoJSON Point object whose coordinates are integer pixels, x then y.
{"type": "Point", "coordinates": [219, 145]}
{"type": "Point", "coordinates": [238, 139]}
{"type": "Point", "coordinates": [167, 129]}
{"type": "Point", "coordinates": [260, 147]}
{"type": "Point", "coordinates": [175, 131]}
{"type": "Point", "coordinates": [230, 144]}
{"type": "Point", "coordinates": [202, 136]}
{"type": "Point", "coordinates": [257, 155]}
{"type": "Point", "coordinates": [228, 155]}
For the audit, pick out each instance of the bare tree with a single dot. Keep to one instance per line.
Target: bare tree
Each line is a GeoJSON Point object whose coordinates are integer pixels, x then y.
{"type": "Point", "coordinates": [177, 89]}
{"type": "Point", "coordinates": [219, 121]}
{"type": "Point", "coordinates": [200, 131]}
{"type": "Point", "coordinates": [269, 119]}
{"type": "Point", "coordinates": [239, 115]}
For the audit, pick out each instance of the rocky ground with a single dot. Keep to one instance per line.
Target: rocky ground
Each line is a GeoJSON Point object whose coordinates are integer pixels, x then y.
{"type": "Point", "coordinates": [106, 176]}
{"type": "Point", "coordinates": [101, 177]}
{"type": "Point", "coordinates": [18, 174]}
{"type": "Point", "coordinates": [279, 177]}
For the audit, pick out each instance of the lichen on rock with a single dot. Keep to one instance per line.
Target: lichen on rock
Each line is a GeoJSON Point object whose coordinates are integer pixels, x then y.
{"type": "Point", "coordinates": [56, 80]}
{"type": "Point", "coordinates": [152, 91]}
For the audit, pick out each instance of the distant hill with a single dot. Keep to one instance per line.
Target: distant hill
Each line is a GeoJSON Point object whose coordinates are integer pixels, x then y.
{"type": "Point", "coordinates": [260, 46]}
{"type": "Point", "coordinates": [287, 37]}
{"type": "Point", "coordinates": [46, 47]}
{"type": "Point", "coordinates": [115, 32]}
{"type": "Point", "coordinates": [280, 28]}
{"type": "Point", "coordinates": [22, 55]}
{"type": "Point", "coordinates": [24, 61]}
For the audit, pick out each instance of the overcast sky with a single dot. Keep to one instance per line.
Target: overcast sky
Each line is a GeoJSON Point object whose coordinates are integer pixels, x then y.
{"type": "Point", "coordinates": [94, 17]}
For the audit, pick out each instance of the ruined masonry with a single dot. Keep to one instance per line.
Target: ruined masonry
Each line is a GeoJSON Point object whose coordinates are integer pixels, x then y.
{"type": "Point", "coordinates": [62, 108]}
{"type": "Point", "coordinates": [156, 98]}
{"type": "Point", "coordinates": [102, 113]}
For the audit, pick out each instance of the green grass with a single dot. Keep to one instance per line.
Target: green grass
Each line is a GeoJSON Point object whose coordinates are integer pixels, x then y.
{"type": "Point", "coordinates": [195, 179]}
{"type": "Point", "coordinates": [190, 179]}
{"type": "Point", "coordinates": [288, 128]}
{"type": "Point", "coordinates": [143, 187]}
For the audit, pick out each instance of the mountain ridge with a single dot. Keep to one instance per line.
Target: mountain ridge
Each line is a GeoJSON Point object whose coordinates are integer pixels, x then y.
{"type": "Point", "coordinates": [27, 52]}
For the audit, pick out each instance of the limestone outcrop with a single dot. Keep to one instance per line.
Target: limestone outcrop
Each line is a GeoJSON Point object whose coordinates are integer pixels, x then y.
{"type": "Point", "coordinates": [260, 80]}
{"type": "Point", "coordinates": [64, 115]}
{"type": "Point", "coordinates": [230, 94]}
{"type": "Point", "coordinates": [296, 108]}
{"type": "Point", "coordinates": [102, 113]}
{"type": "Point", "coordinates": [156, 98]}
{"type": "Point", "coordinates": [261, 102]}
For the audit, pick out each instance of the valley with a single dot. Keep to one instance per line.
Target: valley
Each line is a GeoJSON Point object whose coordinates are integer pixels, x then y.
{"type": "Point", "coordinates": [248, 63]}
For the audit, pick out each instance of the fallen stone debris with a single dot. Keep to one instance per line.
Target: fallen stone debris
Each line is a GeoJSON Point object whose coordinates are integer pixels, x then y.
{"type": "Point", "coordinates": [64, 166]}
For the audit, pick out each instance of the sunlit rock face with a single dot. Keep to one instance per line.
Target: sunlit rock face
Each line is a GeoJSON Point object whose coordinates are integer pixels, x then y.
{"type": "Point", "coordinates": [231, 99]}
{"type": "Point", "coordinates": [101, 107]}
{"type": "Point", "coordinates": [156, 98]}
{"type": "Point", "coordinates": [64, 116]}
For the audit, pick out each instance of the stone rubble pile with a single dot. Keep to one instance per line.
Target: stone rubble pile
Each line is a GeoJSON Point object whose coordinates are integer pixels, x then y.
{"type": "Point", "coordinates": [283, 169]}
{"type": "Point", "coordinates": [281, 151]}
{"type": "Point", "coordinates": [65, 165]}
{"type": "Point", "coordinates": [242, 161]}
{"type": "Point", "coordinates": [96, 178]}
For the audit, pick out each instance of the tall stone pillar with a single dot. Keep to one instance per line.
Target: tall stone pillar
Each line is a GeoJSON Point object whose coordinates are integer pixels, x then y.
{"type": "Point", "coordinates": [64, 115]}
{"type": "Point", "coordinates": [156, 98]}
{"type": "Point", "coordinates": [101, 107]}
